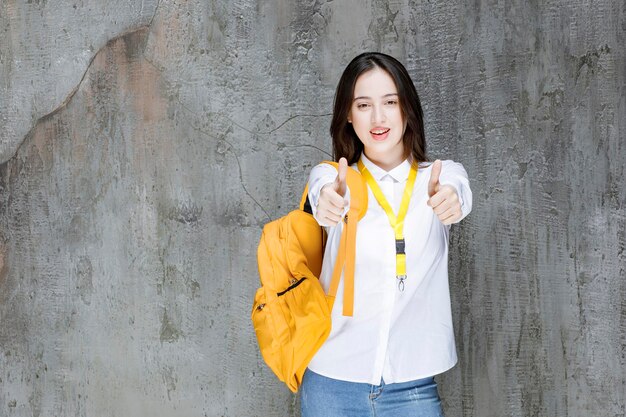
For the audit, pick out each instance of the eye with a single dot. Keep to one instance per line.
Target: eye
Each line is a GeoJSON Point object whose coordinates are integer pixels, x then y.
{"type": "Point", "coordinates": [362, 106]}
{"type": "Point", "coordinates": [392, 102]}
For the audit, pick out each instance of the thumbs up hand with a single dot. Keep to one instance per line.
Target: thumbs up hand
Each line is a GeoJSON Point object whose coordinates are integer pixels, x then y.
{"type": "Point", "coordinates": [340, 182]}
{"type": "Point", "coordinates": [443, 198]}
{"type": "Point", "coordinates": [331, 203]}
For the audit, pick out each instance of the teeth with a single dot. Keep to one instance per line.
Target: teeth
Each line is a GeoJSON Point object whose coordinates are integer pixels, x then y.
{"type": "Point", "coordinates": [379, 132]}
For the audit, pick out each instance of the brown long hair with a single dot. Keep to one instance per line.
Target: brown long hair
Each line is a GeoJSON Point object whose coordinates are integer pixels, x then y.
{"type": "Point", "coordinates": [345, 140]}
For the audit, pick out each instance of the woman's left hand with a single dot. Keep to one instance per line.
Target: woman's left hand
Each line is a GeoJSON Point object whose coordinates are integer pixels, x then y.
{"type": "Point", "coordinates": [443, 198]}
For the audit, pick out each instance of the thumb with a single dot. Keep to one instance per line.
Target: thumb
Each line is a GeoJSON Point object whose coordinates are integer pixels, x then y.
{"type": "Point", "coordinates": [340, 181]}
{"type": "Point", "coordinates": [433, 183]}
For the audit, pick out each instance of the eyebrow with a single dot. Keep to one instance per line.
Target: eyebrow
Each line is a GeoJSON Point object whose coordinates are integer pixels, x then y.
{"type": "Point", "coordinates": [366, 97]}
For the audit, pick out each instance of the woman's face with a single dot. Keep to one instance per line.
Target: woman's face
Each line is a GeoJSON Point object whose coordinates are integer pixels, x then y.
{"type": "Point", "coordinates": [376, 117]}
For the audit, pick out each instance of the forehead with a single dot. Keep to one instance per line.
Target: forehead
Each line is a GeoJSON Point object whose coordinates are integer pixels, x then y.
{"type": "Point", "coordinates": [374, 83]}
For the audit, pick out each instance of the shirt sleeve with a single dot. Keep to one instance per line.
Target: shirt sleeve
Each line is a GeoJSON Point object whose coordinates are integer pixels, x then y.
{"type": "Point", "coordinates": [321, 175]}
{"type": "Point", "coordinates": [453, 173]}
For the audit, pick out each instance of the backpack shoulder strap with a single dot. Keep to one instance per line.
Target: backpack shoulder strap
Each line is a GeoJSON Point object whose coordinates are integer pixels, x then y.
{"type": "Point", "coordinates": [346, 253]}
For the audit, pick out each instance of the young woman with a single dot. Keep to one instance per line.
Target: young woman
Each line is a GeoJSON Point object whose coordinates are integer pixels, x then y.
{"type": "Point", "coordinates": [381, 361]}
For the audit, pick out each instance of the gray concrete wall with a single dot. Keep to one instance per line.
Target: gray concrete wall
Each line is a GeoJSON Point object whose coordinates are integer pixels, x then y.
{"type": "Point", "coordinates": [145, 144]}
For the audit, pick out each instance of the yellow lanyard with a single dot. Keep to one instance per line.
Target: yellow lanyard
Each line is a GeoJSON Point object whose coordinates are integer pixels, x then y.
{"type": "Point", "coordinates": [397, 222]}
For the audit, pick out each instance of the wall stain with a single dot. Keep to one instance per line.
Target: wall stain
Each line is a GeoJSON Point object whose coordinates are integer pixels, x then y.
{"type": "Point", "coordinates": [175, 281]}
{"type": "Point", "coordinates": [84, 279]}
{"type": "Point", "coordinates": [590, 60]}
{"type": "Point", "coordinates": [185, 212]}
{"type": "Point", "coordinates": [170, 379]}
{"type": "Point", "coordinates": [382, 28]}
{"type": "Point", "coordinates": [142, 32]}
{"type": "Point", "coordinates": [3, 258]}
{"type": "Point", "coordinates": [169, 332]}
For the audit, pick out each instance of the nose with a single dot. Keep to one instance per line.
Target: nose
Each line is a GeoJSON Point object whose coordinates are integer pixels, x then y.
{"type": "Point", "coordinates": [378, 114]}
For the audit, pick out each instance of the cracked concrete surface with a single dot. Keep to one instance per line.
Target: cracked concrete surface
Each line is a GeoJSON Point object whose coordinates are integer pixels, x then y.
{"type": "Point", "coordinates": [147, 143]}
{"type": "Point", "coordinates": [46, 48]}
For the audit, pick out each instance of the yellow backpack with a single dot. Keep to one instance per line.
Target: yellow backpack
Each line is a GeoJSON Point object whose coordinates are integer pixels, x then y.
{"type": "Point", "coordinates": [291, 312]}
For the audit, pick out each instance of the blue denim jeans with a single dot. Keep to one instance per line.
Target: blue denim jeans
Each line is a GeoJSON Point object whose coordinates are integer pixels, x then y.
{"type": "Point", "coordinates": [321, 396]}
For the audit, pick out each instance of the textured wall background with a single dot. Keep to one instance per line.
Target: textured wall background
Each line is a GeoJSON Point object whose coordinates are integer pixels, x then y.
{"type": "Point", "coordinates": [145, 144]}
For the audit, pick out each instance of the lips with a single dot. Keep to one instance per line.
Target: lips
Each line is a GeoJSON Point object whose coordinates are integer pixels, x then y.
{"type": "Point", "coordinates": [379, 133]}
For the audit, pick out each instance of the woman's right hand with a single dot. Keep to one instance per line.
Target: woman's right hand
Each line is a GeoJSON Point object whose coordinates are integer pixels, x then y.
{"type": "Point", "coordinates": [331, 203]}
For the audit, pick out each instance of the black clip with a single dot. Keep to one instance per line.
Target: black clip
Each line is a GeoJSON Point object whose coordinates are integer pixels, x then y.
{"type": "Point", "coordinates": [400, 246]}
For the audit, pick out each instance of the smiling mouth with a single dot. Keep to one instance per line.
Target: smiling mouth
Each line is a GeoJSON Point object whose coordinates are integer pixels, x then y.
{"type": "Point", "coordinates": [379, 132]}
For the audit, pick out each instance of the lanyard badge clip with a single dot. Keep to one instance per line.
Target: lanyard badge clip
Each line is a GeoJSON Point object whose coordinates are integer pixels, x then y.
{"type": "Point", "coordinates": [400, 263]}
{"type": "Point", "coordinates": [401, 279]}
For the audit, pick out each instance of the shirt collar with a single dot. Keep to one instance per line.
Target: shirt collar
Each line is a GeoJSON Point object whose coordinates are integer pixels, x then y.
{"type": "Point", "coordinates": [399, 173]}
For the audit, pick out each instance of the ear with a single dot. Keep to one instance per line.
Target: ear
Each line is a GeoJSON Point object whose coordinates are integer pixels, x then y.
{"type": "Point", "coordinates": [349, 117]}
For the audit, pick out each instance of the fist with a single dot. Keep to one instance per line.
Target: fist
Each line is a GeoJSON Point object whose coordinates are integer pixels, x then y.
{"type": "Point", "coordinates": [443, 198]}
{"type": "Point", "coordinates": [331, 203]}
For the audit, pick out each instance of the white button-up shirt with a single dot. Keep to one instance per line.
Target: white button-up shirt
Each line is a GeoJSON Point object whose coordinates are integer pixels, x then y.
{"type": "Point", "coordinates": [399, 336]}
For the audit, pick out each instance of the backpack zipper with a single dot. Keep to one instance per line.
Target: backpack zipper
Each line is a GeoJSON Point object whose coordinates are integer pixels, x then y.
{"type": "Point", "coordinates": [294, 284]}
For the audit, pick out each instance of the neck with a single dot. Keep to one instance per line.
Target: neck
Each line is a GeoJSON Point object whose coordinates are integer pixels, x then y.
{"type": "Point", "coordinates": [386, 162]}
